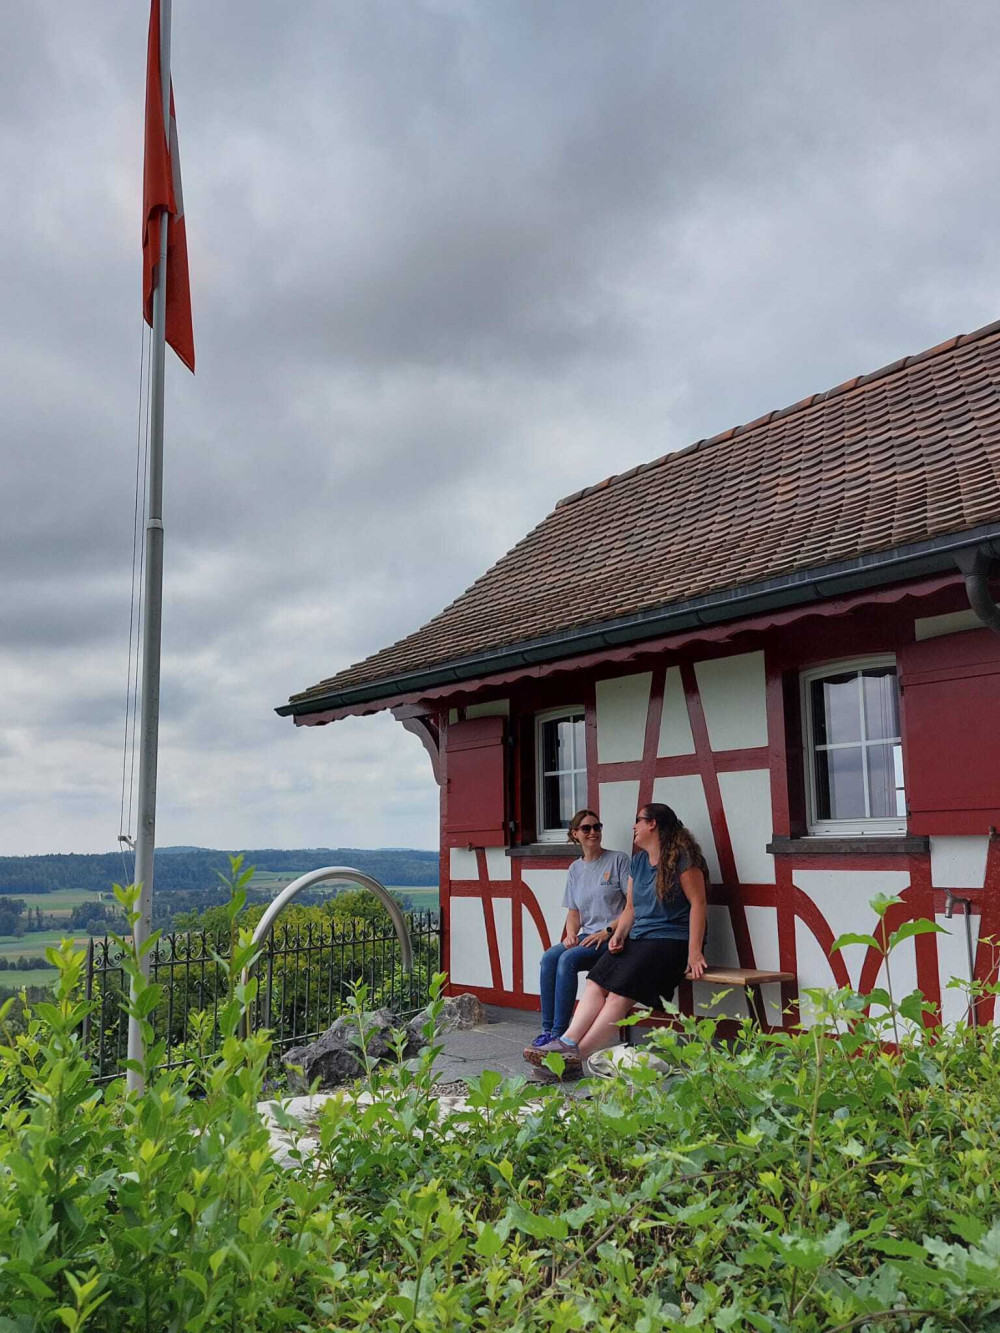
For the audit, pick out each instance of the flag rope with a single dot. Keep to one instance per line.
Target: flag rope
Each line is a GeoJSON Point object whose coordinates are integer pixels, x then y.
{"type": "Point", "coordinates": [125, 838]}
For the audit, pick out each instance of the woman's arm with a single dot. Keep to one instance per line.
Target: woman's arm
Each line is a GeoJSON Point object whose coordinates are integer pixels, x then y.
{"type": "Point", "coordinates": [600, 936]}
{"type": "Point", "coordinates": [571, 930]}
{"type": "Point", "coordinates": [624, 923]}
{"type": "Point", "coordinates": [693, 884]}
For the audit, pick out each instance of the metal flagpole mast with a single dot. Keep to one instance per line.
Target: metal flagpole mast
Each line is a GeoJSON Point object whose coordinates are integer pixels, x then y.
{"type": "Point", "coordinates": [149, 724]}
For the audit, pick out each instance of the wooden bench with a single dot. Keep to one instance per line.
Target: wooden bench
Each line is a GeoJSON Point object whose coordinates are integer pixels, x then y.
{"type": "Point", "coordinates": [750, 978]}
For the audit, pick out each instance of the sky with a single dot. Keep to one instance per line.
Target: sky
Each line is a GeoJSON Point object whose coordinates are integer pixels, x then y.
{"type": "Point", "coordinates": [451, 260]}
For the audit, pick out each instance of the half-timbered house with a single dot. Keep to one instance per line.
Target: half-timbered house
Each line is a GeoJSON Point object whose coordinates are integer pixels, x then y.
{"type": "Point", "coordinates": [787, 633]}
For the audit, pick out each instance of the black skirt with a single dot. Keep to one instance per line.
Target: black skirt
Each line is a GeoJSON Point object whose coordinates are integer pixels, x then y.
{"type": "Point", "coordinates": [646, 971]}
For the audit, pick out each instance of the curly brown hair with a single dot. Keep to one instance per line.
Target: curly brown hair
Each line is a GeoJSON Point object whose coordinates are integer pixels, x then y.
{"type": "Point", "coordinates": [577, 820]}
{"type": "Point", "coordinates": [674, 839]}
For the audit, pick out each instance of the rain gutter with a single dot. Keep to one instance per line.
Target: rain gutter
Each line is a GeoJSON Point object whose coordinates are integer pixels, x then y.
{"type": "Point", "coordinates": [935, 555]}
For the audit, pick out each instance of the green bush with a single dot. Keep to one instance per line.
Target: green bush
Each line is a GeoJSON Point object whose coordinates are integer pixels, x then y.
{"type": "Point", "coordinates": [834, 1178]}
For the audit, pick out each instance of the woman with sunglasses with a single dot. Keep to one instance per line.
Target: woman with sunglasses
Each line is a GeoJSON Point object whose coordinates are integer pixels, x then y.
{"type": "Point", "coordinates": [594, 898]}
{"type": "Point", "coordinates": [656, 941]}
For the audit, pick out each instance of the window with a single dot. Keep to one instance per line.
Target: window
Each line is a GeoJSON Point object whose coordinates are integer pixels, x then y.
{"type": "Point", "coordinates": [853, 749]}
{"type": "Point", "coordinates": [561, 750]}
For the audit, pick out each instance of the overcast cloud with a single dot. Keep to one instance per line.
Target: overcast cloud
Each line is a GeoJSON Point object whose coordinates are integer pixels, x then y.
{"type": "Point", "coordinates": [451, 261]}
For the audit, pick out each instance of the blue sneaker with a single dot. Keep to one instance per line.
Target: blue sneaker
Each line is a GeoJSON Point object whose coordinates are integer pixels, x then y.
{"type": "Point", "coordinates": [542, 1039]}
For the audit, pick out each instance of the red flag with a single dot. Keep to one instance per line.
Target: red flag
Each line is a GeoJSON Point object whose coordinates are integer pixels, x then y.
{"type": "Point", "coordinates": [161, 195]}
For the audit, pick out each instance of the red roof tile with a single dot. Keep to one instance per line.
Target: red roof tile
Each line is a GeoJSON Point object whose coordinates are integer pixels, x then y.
{"type": "Point", "coordinates": [909, 452]}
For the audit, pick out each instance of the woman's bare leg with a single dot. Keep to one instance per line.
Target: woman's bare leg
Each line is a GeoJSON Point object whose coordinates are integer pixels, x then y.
{"type": "Point", "coordinates": [603, 1031]}
{"type": "Point", "coordinates": [587, 1010]}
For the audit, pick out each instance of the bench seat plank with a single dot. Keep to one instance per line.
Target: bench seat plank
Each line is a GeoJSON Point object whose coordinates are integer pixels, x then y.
{"type": "Point", "coordinates": [743, 976]}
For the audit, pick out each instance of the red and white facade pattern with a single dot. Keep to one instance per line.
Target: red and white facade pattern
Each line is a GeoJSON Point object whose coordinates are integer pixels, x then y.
{"type": "Point", "coordinates": [713, 731]}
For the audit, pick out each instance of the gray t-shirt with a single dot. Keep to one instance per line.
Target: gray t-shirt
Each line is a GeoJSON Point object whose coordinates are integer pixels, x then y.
{"type": "Point", "coordinates": [597, 890]}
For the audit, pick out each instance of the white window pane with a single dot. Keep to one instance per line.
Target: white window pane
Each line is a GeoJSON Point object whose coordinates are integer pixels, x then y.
{"type": "Point", "coordinates": [836, 709]}
{"type": "Point", "coordinates": [840, 784]}
{"type": "Point", "coordinates": [881, 781]}
{"type": "Point", "coordinates": [550, 746]}
{"type": "Point", "coordinates": [881, 703]}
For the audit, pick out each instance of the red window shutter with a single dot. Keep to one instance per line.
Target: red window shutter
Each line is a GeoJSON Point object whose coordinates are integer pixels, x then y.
{"type": "Point", "coordinates": [477, 782]}
{"type": "Point", "coordinates": [951, 730]}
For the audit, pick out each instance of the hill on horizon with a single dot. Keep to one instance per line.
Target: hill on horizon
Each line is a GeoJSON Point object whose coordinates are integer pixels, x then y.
{"type": "Point", "coordinates": [178, 868]}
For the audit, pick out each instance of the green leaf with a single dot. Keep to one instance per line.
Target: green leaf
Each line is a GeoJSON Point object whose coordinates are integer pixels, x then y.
{"type": "Point", "coordinates": [488, 1242]}
{"type": "Point", "coordinates": [921, 926]}
{"type": "Point", "coordinates": [196, 1279]}
{"type": "Point", "coordinates": [842, 941]}
{"type": "Point", "coordinates": [881, 903]}
{"type": "Point", "coordinates": [537, 1224]}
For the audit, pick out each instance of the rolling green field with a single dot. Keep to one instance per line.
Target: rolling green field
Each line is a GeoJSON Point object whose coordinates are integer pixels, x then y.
{"type": "Point", "coordinates": [38, 976]}
{"type": "Point", "coordinates": [35, 942]}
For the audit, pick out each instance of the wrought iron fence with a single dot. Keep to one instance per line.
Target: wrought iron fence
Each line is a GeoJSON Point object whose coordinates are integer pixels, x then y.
{"type": "Point", "coordinates": [306, 974]}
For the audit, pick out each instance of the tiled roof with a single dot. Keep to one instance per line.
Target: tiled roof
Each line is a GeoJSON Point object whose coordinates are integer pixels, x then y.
{"type": "Point", "coordinates": [909, 452]}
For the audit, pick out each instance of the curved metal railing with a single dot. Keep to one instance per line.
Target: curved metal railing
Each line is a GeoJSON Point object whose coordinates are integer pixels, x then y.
{"type": "Point", "coordinates": [333, 875]}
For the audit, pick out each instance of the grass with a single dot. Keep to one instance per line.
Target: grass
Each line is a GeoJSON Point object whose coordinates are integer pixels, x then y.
{"type": "Point", "coordinates": [11, 982]}
{"type": "Point", "coordinates": [34, 942]}
{"type": "Point", "coordinates": [424, 899]}
{"type": "Point", "coordinates": [63, 898]}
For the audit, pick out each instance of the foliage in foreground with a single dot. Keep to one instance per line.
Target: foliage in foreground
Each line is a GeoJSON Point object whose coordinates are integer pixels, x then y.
{"type": "Point", "coordinates": [797, 1181]}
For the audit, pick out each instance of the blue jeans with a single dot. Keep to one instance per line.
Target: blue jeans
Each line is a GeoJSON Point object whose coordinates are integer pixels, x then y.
{"type": "Point", "coordinates": [559, 970]}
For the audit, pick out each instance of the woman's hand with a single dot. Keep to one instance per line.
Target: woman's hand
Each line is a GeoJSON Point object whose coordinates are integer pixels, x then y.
{"type": "Point", "coordinates": [617, 941]}
{"type": "Point", "coordinates": [592, 941]}
{"type": "Point", "coordinates": [570, 940]}
{"type": "Point", "coordinates": [696, 965]}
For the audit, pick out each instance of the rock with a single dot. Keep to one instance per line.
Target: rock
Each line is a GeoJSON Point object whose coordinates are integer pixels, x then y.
{"type": "Point", "coordinates": [335, 1057]}
{"type": "Point", "coordinates": [458, 1013]}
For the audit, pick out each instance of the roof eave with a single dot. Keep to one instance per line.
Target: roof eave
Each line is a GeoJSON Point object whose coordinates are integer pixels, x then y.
{"type": "Point", "coordinates": [933, 555]}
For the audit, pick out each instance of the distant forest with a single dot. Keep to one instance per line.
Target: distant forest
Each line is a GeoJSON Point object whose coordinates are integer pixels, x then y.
{"type": "Point", "coordinates": [194, 868]}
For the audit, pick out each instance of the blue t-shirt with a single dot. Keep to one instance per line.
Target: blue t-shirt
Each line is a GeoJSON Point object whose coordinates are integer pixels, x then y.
{"type": "Point", "coordinates": [655, 920]}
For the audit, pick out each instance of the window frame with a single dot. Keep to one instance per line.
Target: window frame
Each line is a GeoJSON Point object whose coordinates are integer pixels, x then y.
{"type": "Point", "coordinates": [542, 833]}
{"type": "Point", "coordinates": [831, 828]}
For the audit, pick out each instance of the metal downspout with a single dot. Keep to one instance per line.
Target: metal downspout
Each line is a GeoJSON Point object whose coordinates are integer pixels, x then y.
{"type": "Point", "coordinates": [975, 566]}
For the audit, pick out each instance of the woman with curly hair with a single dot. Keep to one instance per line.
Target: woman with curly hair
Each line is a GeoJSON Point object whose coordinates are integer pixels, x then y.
{"type": "Point", "coordinates": [656, 942]}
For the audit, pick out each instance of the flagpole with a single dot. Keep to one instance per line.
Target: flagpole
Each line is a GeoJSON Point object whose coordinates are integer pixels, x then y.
{"type": "Point", "coordinates": [149, 725]}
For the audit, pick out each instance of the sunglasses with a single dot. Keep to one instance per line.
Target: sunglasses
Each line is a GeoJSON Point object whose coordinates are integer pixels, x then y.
{"type": "Point", "coordinates": [589, 828]}
{"type": "Point", "coordinates": [643, 819]}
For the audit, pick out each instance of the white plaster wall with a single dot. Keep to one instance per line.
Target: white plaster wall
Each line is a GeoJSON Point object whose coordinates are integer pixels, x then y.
{"type": "Point", "coordinates": [462, 863]}
{"type": "Point", "coordinates": [494, 708]}
{"type": "Point", "coordinates": [955, 622]}
{"type": "Point", "coordinates": [469, 953]}
{"type": "Point", "coordinates": [746, 799]}
{"type": "Point", "coordinates": [502, 917]}
{"type": "Point", "coordinates": [812, 967]}
{"type": "Point", "coordinates": [842, 897]}
{"type": "Point", "coordinates": [548, 886]}
{"type": "Point", "coordinates": [903, 966]}
{"type": "Point", "coordinates": [622, 706]}
{"type": "Point", "coordinates": [720, 951]}
{"type": "Point", "coordinates": [619, 802]}
{"type": "Point", "coordinates": [762, 923]}
{"type": "Point", "coordinates": [675, 725]}
{"type": "Point", "coordinates": [497, 863]}
{"type": "Point", "coordinates": [959, 862]}
{"type": "Point", "coordinates": [733, 697]}
{"type": "Point", "coordinates": [953, 961]}
{"type": "Point", "coordinates": [686, 796]}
